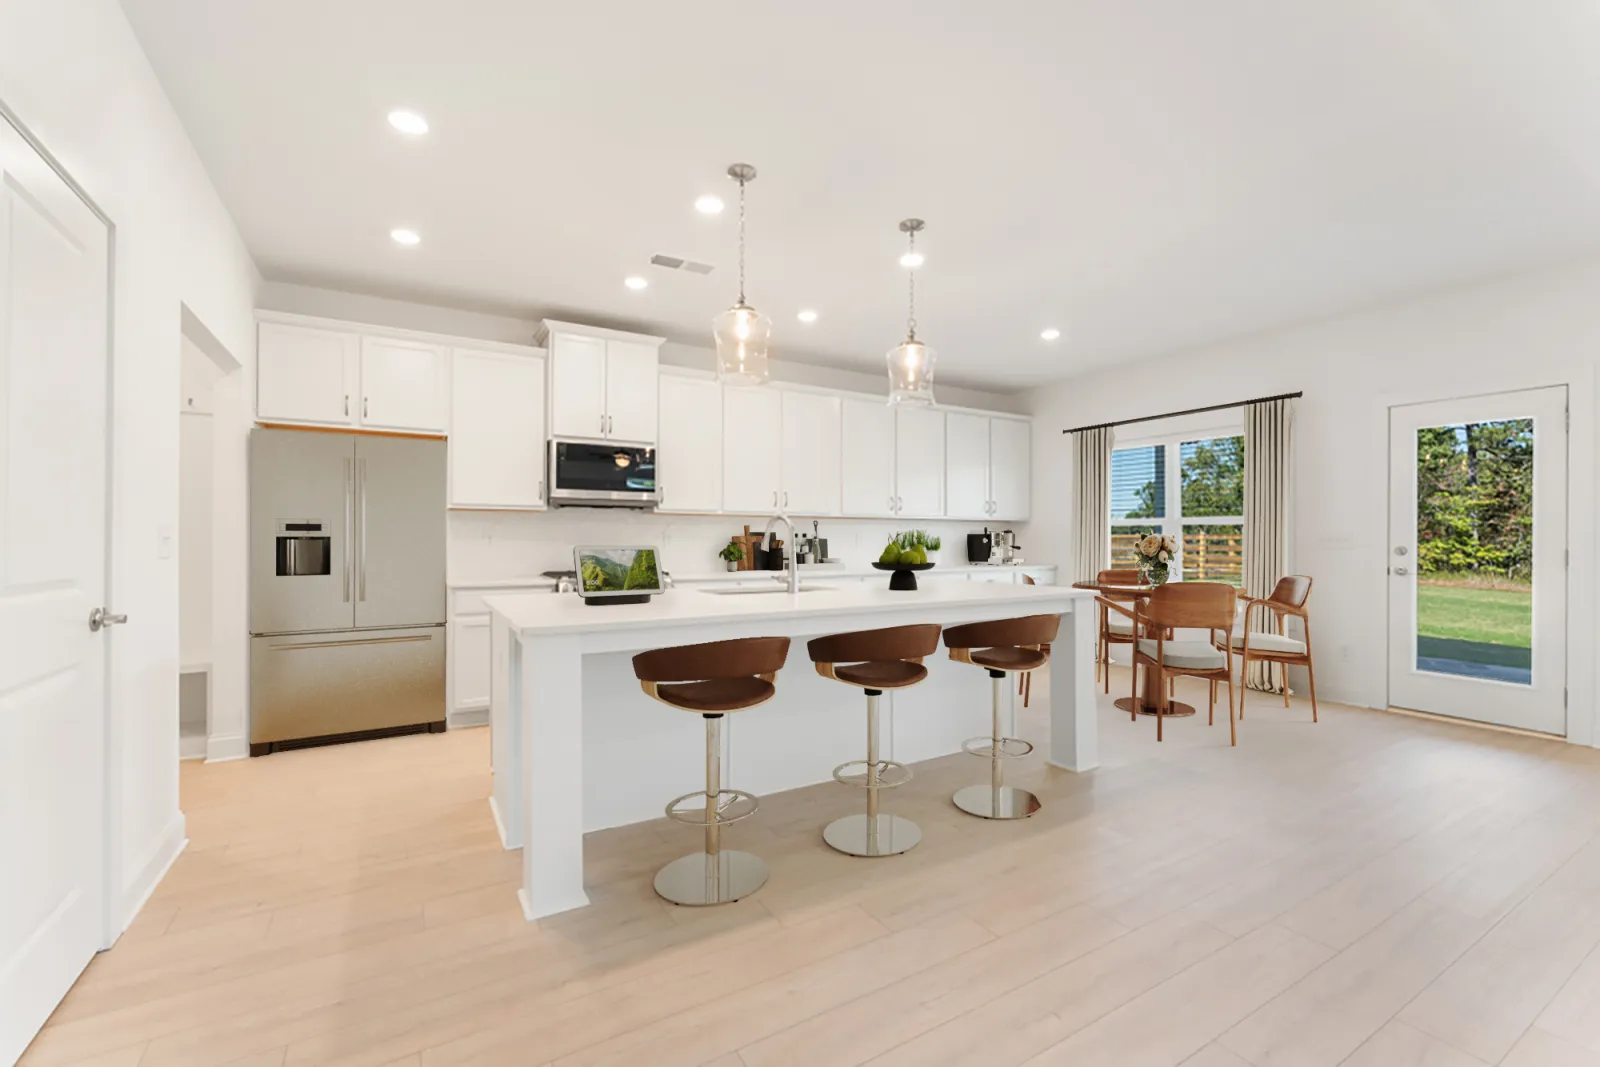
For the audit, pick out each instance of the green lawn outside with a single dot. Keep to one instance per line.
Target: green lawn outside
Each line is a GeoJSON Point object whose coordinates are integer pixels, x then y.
{"type": "Point", "coordinates": [1464, 613]}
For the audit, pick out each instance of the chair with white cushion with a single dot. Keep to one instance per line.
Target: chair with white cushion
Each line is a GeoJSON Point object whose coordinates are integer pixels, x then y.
{"type": "Point", "coordinates": [1185, 605]}
{"type": "Point", "coordinates": [1288, 598]}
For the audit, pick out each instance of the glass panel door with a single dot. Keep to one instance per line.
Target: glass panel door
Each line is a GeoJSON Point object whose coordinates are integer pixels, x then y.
{"type": "Point", "coordinates": [1477, 565]}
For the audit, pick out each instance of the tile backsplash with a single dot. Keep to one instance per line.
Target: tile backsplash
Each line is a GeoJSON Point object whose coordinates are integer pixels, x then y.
{"type": "Point", "coordinates": [496, 545]}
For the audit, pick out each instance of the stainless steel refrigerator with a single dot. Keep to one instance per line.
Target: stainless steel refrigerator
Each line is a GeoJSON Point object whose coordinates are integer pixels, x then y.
{"type": "Point", "coordinates": [347, 590]}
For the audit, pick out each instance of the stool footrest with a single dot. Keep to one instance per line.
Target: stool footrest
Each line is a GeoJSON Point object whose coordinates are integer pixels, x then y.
{"type": "Point", "coordinates": [997, 747]}
{"type": "Point", "coordinates": [732, 805]}
{"type": "Point", "coordinates": [890, 774]}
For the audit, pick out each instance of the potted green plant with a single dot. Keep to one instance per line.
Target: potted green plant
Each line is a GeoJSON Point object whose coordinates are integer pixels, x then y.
{"type": "Point", "coordinates": [732, 553]}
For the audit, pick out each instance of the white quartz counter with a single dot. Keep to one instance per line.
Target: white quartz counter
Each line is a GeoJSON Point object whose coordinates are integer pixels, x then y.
{"type": "Point", "coordinates": [818, 573]}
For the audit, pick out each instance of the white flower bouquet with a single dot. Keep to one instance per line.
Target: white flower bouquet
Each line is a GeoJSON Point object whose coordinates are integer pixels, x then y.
{"type": "Point", "coordinates": [1154, 555]}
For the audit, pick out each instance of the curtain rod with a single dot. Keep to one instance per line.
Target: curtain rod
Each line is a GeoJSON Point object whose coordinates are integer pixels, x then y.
{"type": "Point", "coordinates": [1186, 411]}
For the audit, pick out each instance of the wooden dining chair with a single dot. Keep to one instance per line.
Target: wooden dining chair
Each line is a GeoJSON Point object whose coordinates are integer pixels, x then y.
{"type": "Point", "coordinates": [1191, 605]}
{"type": "Point", "coordinates": [1116, 619]}
{"type": "Point", "coordinates": [1289, 597]}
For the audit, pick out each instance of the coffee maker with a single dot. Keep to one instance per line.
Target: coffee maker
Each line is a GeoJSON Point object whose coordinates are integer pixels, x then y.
{"type": "Point", "coordinates": [980, 546]}
{"type": "Point", "coordinates": [1006, 549]}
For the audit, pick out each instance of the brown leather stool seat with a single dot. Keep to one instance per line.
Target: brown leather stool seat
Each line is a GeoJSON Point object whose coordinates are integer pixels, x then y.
{"type": "Point", "coordinates": [1002, 647]}
{"type": "Point", "coordinates": [713, 679]}
{"type": "Point", "coordinates": [874, 660]}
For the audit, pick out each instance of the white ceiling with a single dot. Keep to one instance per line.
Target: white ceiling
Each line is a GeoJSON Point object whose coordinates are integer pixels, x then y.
{"type": "Point", "coordinates": [1145, 176]}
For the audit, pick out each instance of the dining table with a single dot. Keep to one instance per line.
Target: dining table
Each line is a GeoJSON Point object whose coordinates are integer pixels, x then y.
{"type": "Point", "coordinates": [1155, 699]}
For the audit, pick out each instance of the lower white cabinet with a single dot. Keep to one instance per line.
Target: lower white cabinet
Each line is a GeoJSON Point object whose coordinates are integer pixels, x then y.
{"type": "Point", "coordinates": [471, 660]}
{"type": "Point", "coordinates": [919, 456]}
{"type": "Point", "coordinates": [497, 431]}
{"type": "Point", "coordinates": [689, 449]}
{"type": "Point", "coordinates": [405, 385]}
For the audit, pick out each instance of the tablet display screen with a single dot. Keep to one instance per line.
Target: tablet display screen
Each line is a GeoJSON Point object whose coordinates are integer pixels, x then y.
{"type": "Point", "coordinates": [613, 571]}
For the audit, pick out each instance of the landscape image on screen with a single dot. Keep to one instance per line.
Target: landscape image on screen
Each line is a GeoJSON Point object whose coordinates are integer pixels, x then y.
{"type": "Point", "coordinates": [619, 570]}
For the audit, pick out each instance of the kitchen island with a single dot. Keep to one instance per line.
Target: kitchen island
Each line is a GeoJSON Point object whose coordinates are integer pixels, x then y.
{"type": "Point", "coordinates": [578, 747]}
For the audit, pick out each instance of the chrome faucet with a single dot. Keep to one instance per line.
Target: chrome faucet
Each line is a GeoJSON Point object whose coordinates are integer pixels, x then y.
{"type": "Point", "coordinates": [766, 543]}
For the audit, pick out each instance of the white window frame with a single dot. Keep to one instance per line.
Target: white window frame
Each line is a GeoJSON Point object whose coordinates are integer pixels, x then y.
{"type": "Point", "coordinates": [1174, 522]}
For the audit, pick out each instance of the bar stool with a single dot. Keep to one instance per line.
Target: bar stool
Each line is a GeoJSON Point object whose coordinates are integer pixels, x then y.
{"type": "Point", "coordinates": [712, 680]}
{"type": "Point", "coordinates": [1002, 647]}
{"type": "Point", "coordinates": [874, 660]}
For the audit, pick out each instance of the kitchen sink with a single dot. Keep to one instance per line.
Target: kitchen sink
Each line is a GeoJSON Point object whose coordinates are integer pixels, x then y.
{"type": "Point", "coordinates": [762, 590]}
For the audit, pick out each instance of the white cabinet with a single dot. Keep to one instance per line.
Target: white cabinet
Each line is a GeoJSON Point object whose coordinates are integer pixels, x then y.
{"type": "Point", "coordinates": [689, 448]}
{"type": "Point", "coordinates": [602, 386]}
{"type": "Point", "coordinates": [471, 663]}
{"type": "Point", "coordinates": [632, 382]}
{"type": "Point", "coordinates": [319, 376]}
{"type": "Point", "coordinates": [966, 466]}
{"type": "Point", "coordinates": [867, 448]}
{"type": "Point", "coordinates": [405, 385]}
{"type": "Point", "coordinates": [497, 438]}
{"type": "Point", "coordinates": [919, 463]}
{"type": "Point", "coordinates": [1010, 469]}
{"type": "Point", "coordinates": [811, 461]}
{"type": "Point", "coordinates": [577, 386]}
{"type": "Point", "coordinates": [752, 449]}
{"type": "Point", "coordinates": [306, 374]}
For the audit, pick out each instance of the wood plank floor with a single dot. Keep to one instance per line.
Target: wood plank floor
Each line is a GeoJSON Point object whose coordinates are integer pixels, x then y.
{"type": "Point", "coordinates": [1374, 891]}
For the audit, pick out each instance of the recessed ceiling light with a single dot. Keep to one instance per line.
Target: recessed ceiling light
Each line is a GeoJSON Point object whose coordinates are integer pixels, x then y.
{"type": "Point", "coordinates": [709, 205]}
{"type": "Point", "coordinates": [807, 316]}
{"type": "Point", "coordinates": [406, 237]}
{"type": "Point", "coordinates": [1049, 333]}
{"type": "Point", "coordinates": [634, 282]}
{"type": "Point", "coordinates": [408, 122]}
{"type": "Point", "coordinates": [911, 260]}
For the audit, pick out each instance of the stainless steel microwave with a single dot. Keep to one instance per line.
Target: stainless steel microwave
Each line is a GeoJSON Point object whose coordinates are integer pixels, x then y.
{"type": "Point", "coordinates": [591, 474]}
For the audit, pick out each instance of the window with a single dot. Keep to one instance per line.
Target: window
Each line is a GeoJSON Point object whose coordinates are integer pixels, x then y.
{"type": "Point", "coordinates": [1204, 477]}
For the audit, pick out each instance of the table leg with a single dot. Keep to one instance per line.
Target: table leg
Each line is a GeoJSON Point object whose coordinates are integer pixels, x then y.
{"type": "Point", "coordinates": [551, 715]}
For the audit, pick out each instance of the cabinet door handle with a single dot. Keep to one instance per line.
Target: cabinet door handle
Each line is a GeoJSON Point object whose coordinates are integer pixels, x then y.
{"type": "Point", "coordinates": [363, 407]}
{"type": "Point", "coordinates": [786, 498]}
{"type": "Point", "coordinates": [347, 405]}
{"type": "Point", "coordinates": [602, 425]}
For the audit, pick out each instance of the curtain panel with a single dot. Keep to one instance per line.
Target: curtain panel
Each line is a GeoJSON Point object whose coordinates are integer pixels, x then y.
{"type": "Point", "coordinates": [1268, 433]}
{"type": "Point", "coordinates": [1091, 451]}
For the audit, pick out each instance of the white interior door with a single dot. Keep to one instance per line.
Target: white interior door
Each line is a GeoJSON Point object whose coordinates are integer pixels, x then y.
{"type": "Point", "coordinates": [1477, 558]}
{"type": "Point", "coordinates": [52, 575]}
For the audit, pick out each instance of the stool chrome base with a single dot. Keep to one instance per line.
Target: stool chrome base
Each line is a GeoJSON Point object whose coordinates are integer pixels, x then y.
{"type": "Point", "coordinates": [700, 878]}
{"type": "Point", "coordinates": [853, 835]}
{"type": "Point", "coordinates": [996, 802]}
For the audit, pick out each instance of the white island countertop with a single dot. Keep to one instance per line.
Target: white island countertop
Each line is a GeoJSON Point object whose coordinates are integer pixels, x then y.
{"type": "Point", "coordinates": [577, 747]}
{"type": "Point", "coordinates": [808, 572]}
{"type": "Point", "coordinates": [544, 613]}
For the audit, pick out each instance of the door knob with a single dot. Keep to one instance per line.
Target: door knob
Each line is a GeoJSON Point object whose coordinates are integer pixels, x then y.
{"type": "Point", "coordinates": [100, 618]}
{"type": "Point", "coordinates": [1401, 571]}
{"type": "Point", "coordinates": [1400, 550]}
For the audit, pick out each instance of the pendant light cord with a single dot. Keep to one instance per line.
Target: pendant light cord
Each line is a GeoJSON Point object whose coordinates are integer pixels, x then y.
{"type": "Point", "coordinates": [741, 241]}
{"type": "Point", "coordinates": [911, 305]}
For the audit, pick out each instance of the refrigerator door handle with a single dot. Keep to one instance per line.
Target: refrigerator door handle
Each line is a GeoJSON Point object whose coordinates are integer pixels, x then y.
{"type": "Point", "coordinates": [347, 644]}
{"type": "Point", "coordinates": [361, 493]}
{"type": "Point", "coordinates": [349, 511]}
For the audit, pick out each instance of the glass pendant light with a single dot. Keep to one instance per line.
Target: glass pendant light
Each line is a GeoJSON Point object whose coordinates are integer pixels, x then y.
{"type": "Point", "coordinates": [911, 362]}
{"type": "Point", "coordinates": [743, 333]}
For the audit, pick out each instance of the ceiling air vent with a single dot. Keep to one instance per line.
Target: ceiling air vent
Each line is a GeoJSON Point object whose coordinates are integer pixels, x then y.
{"type": "Point", "coordinates": [679, 263]}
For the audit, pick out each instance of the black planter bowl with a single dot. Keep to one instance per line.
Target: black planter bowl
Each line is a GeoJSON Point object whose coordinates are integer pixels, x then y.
{"type": "Point", "coordinates": [905, 578]}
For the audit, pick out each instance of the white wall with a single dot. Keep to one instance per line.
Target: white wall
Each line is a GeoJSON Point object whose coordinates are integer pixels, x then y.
{"type": "Point", "coordinates": [194, 505]}
{"type": "Point", "coordinates": [74, 74]}
{"type": "Point", "coordinates": [401, 314]}
{"type": "Point", "coordinates": [1533, 330]}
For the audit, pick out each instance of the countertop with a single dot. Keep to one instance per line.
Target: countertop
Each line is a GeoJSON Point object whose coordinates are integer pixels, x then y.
{"type": "Point", "coordinates": [532, 613]}
{"type": "Point", "coordinates": [818, 573]}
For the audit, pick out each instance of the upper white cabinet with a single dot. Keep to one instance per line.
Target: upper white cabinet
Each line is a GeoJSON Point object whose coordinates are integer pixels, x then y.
{"type": "Point", "coordinates": [497, 438]}
{"type": "Point", "coordinates": [752, 449]}
{"type": "Point", "coordinates": [689, 445]}
{"type": "Point", "coordinates": [919, 455]}
{"type": "Point", "coordinates": [867, 440]}
{"type": "Point", "coordinates": [966, 466]}
{"type": "Point", "coordinates": [322, 376]}
{"type": "Point", "coordinates": [1010, 469]}
{"type": "Point", "coordinates": [603, 384]}
{"type": "Point", "coordinates": [306, 374]}
{"type": "Point", "coordinates": [811, 459]}
{"type": "Point", "coordinates": [405, 385]}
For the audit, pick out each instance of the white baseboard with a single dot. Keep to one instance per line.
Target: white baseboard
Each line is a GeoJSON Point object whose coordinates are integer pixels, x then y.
{"type": "Point", "coordinates": [462, 717]}
{"type": "Point", "coordinates": [500, 827]}
{"type": "Point", "coordinates": [168, 847]}
{"type": "Point", "coordinates": [191, 746]}
{"type": "Point", "coordinates": [223, 747]}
